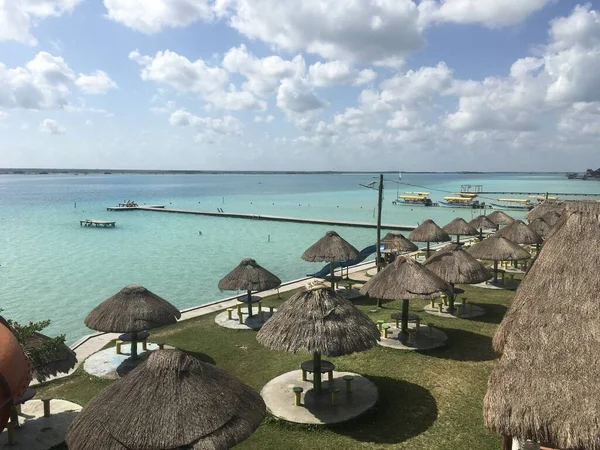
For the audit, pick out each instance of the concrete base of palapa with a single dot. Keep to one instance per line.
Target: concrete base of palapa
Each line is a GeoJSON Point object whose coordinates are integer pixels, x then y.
{"type": "Point", "coordinates": [349, 293]}
{"type": "Point", "coordinates": [422, 340]}
{"type": "Point", "coordinates": [108, 364]}
{"type": "Point", "coordinates": [249, 323]}
{"type": "Point", "coordinates": [510, 285]}
{"type": "Point", "coordinates": [37, 432]}
{"type": "Point", "coordinates": [319, 410]}
{"type": "Point", "coordinates": [465, 313]}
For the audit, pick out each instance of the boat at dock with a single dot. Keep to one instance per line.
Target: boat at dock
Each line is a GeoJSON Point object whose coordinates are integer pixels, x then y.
{"type": "Point", "coordinates": [523, 204]}
{"type": "Point", "coordinates": [462, 200]}
{"type": "Point", "coordinates": [97, 223]}
{"type": "Point", "coordinates": [414, 199]}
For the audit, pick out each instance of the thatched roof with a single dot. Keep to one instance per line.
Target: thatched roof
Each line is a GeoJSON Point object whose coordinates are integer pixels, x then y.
{"type": "Point", "coordinates": [318, 319]}
{"type": "Point", "coordinates": [519, 233]}
{"type": "Point", "coordinates": [428, 231]}
{"type": "Point", "coordinates": [169, 401]}
{"type": "Point", "coordinates": [547, 208]}
{"type": "Point", "coordinates": [481, 222]}
{"type": "Point", "coordinates": [459, 226]}
{"type": "Point", "coordinates": [249, 276]}
{"type": "Point", "coordinates": [330, 248]}
{"type": "Point", "coordinates": [134, 308]}
{"type": "Point", "coordinates": [498, 249]}
{"type": "Point", "coordinates": [405, 279]}
{"type": "Point", "coordinates": [545, 385]}
{"type": "Point", "coordinates": [59, 359]}
{"type": "Point", "coordinates": [540, 226]}
{"type": "Point", "coordinates": [396, 242]}
{"type": "Point", "coordinates": [500, 218]}
{"type": "Point", "coordinates": [454, 265]}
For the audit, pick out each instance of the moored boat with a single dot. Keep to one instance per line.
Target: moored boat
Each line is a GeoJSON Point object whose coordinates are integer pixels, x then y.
{"type": "Point", "coordinates": [513, 203]}
{"type": "Point", "coordinates": [461, 202]}
{"type": "Point", "coordinates": [414, 199]}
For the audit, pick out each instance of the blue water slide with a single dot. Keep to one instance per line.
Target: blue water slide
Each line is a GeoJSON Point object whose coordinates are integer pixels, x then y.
{"type": "Point", "coordinates": [363, 254]}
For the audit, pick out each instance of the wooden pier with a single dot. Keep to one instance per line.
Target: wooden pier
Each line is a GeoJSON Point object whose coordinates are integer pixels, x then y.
{"type": "Point", "coordinates": [97, 223]}
{"type": "Point", "coordinates": [335, 223]}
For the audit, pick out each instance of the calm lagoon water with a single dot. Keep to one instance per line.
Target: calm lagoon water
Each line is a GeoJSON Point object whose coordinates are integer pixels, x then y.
{"type": "Point", "coordinates": [51, 268]}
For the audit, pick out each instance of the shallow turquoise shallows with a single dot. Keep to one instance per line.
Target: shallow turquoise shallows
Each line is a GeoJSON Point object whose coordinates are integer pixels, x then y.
{"type": "Point", "coordinates": [51, 268]}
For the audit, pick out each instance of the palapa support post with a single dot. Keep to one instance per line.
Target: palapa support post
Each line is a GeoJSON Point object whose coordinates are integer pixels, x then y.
{"type": "Point", "coordinates": [317, 372]}
{"type": "Point", "coordinates": [260, 306]}
{"type": "Point", "coordinates": [379, 205]}
{"type": "Point", "coordinates": [297, 395]}
{"type": "Point", "coordinates": [249, 303]}
{"type": "Point", "coordinates": [405, 315]}
{"type": "Point", "coordinates": [134, 340]}
{"type": "Point", "coordinates": [427, 249]}
{"type": "Point", "coordinates": [331, 270]}
{"type": "Point", "coordinates": [451, 298]}
{"type": "Point", "coordinates": [10, 428]}
{"type": "Point", "coordinates": [348, 379]}
{"type": "Point", "coordinates": [495, 271]}
{"type": "Point", "coordinates": [507, 442]}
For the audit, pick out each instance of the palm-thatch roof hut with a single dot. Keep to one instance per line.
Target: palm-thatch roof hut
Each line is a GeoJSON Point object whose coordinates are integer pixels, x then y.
{"type": "Point", "coordinates": [249, 276]}
{"type": "Point", "coordinates": [405, 279]}
{"type": "Point", "coordinates": [541, 227]}
{"type": "Point", "coordinates": [519, 233]}
{"type": "Point", "coordinates": [330, 248]}
{"type": "Point", "coordinates": [170, 401]}
{"type": "Point", "coordinates": [497, 249]}
{"type": "Point", "coordinates": [53, 357]}
{"type": "Point", "coordinates": [481, 222]}
{"type": "Point", "coordinates": [459, 227]}
{"type": "Point", "coordinates": [545, 385]}
{"type": "Point", "coordinates": [455, 266]}
{"type": "Point", "coordinates": [500, 218]}
{"type": "Point", "coordinates": [396, 242]}
{"type": "Point", "coordinates": [320, 321]}
{"type": "Point", "coordinates": [428, 232]}
{"type": "Point", "coordinates": [131, 310]}
{"type": "Point", "coordinates": [548, 208]}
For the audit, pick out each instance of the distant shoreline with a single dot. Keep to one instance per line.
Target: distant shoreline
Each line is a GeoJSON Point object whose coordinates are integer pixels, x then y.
{"type": "Point", "coordinates": [44, 171]}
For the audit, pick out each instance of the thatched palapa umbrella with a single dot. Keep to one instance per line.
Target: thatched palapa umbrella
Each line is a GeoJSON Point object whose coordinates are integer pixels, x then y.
{"type": "Point", "coordinates": [545, 385]}
{"type": "Point", "coordinates": [405, 279]}
{"type": "Point", "coordinates": [330, 248]}
{"type": "Point", "coordinates": [455, 266]}
{"type": "Point", "coordinates": [519, 233]}
{"type": "Point", "coordinates": [498, 249]}
{"type": "Point", "coordinates": [481, 222]}
{"type": "Point", "coordinates": [500, 218]}
{"type": "Point", "coordinates": [459, 227]}
{"type": "Point", "coordinates": [131, 310]}
{"type": "Point", "coordinates": [249, 276]}
{"type": "Point", "coordinates": [319, 321]}
{"type": "Point", "coordinates": [541, 227]}
{"type": "Point", "coordinates": [172, 400]}
{"type": "Point", "coordinates": [52, 359]}
{"type": "Point", "coordinates": [428, 232]}
{"type": "Point", "coordinates": [396, 242]}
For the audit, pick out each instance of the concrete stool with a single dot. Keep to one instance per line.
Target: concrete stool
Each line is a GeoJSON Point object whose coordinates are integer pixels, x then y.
{"type": "Point", "coordinates": [297, 394]}
{"type": "Point", "coordinates": [385, 327]}
{"type": "Point", "coordinates": [458, 308]}
{"type": "Point", "coordinates": [411, 336]}
{"type": "Point", "coordinates": [229, 313]}
{"type": "Point", "coordinates": [445, 299]}
{"type": "Point", "coordinates": [433, 302]}
{"type": "Point", "coordinates": [161, 345]}
{"type": "Point", "coordinates": [118, 345]}
{"type": "Point", "coordinates": [417, 324]}
{"type": "Point", "coordinates": [46, 401]}
{"type": "Point", "coordinates": [334, 395]}
{"type": "Point", "coordinates": [379, 324]}
{"type": "Point", "coordinates": [239, 308]}
{"type": "Point", "coordinates": [348, 379]}
{"type": "Point", "coordinates": [440, 307]}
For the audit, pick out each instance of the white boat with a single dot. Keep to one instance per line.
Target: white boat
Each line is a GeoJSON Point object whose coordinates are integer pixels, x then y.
{"type": "Point", "coordinates": [462, 200]}
{"type": "Point", "coordinates": [523, 204]}
{"type": "Point", "coordinates": [414, 199]}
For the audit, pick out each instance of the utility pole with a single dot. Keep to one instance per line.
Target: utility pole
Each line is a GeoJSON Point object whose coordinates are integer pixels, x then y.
{"type": "Point", "coordinates": [379, 205]}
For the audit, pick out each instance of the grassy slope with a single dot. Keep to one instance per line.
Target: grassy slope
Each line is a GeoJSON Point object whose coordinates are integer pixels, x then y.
{"type": "Point", "coordinates": [428, 400]}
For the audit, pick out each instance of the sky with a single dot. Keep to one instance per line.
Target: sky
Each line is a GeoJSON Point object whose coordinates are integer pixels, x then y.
{"type": "Point", "coordinates": [408, 85]}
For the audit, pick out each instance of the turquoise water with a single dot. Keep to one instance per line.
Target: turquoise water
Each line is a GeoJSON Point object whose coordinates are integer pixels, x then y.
{"type": "Point", "coordinates": [50, 267]}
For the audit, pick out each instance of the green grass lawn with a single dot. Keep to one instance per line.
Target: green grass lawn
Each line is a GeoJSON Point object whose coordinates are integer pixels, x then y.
{"type": "Point", "coordinates": [428, 401]}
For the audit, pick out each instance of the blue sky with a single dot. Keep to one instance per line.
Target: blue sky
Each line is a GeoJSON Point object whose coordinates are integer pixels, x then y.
{"type": "Point", "coordinates": [315, 85]}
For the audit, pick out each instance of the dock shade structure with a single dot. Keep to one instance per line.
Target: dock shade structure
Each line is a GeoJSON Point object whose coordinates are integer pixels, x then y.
{"type": "Point", "coordinates": [519, 233]}
{"type": "Point", "coordinates": [498, 249]}
{"type": "Point", "coordinates": [541, 227]}
{"type": "Point", "coordinates": [544, 386]}
{"type": "Point", "coordinates": [405, 279]}
{"type": "Point", "coordinates": [459, 227]}
{"type": "Point", "coordinates": [131, 310]}
{"type": "Point", "coordinates": [455, 266]}
{"type": "Point", "coordinates": [397, 243]}
{"type": "Point", "coordinates": [319, 321]}
{"type": "Point", "coordinates": [170, 401]}
{"type": "Point", "coordinates": [249, 276]}
{"type": "Point", "coordinates": [429, 232]}
{"type": "Point", "coordinates": [48, 358]}
{"type": "Point", "coordinates": [482, 222]}
{"type": "Point", "coordinates": [500, 218]}
{"type": "Point", "coordinates": [330, 248]}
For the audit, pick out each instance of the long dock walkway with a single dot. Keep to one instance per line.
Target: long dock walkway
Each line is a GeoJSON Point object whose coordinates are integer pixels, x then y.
{"type": "Point", "coordinates": [336, 223]}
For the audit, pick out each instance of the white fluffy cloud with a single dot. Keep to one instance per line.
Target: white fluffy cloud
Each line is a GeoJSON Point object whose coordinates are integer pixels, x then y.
{"type": "Point", "coordinates": [18, 16]}
{"type": "Point", "coordinates": [97, 82]}
{"type": "Point", "coordinates": [338, 72]}
{"type": "Point", "coordinates": [496, 13]}
{"type": "Point", "coordinates": [208, 129]}
{"type": "Point", "coordinates": [51, 126]}
{"type": "Point", "coordinates": [296, 96]}
{"type": "Point", "coordinates": [151, 16]}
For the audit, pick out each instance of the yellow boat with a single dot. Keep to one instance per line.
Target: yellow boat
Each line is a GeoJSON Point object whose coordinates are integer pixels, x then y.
{"type": "Point", "coordinates": [513, 203]}
{"type": "Point", "coordinates": [414, 199]}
